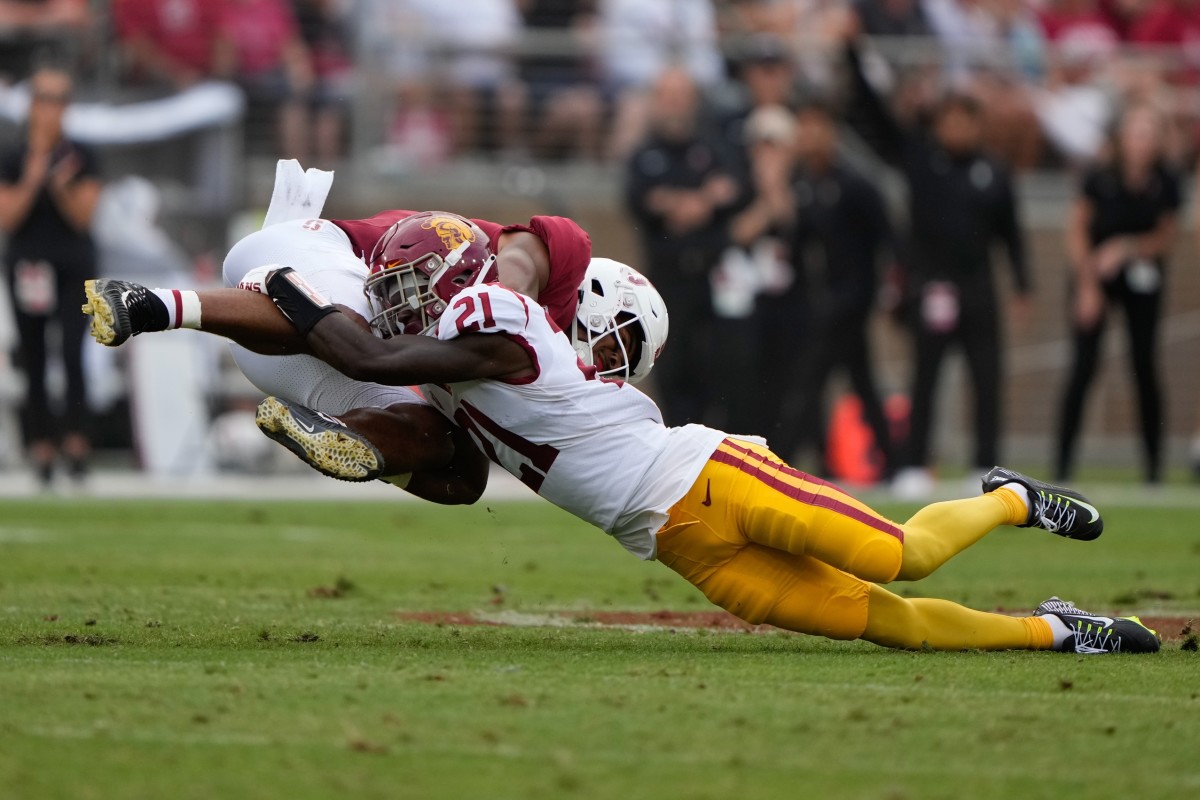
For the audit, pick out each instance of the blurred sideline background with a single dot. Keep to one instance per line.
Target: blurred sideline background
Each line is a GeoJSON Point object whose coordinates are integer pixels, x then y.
{"type": "Point", "coordinates": [502, 109]}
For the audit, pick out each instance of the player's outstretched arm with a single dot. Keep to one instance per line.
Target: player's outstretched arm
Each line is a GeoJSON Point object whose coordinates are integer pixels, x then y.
{"type": "Point", "coordinates": [399, 361]}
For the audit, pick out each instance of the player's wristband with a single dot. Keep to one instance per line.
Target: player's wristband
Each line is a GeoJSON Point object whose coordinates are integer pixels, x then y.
{"type": "Point", "coordinates": [297, 299]}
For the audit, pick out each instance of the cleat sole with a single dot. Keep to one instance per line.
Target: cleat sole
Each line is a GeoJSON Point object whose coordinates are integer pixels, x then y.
{"type": "Point", "coordinates": [335, 454]}
{"type": "Point", "coordinates": [106, 321]}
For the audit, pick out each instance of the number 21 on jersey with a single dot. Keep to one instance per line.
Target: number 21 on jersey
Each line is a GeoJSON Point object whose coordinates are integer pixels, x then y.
{"type": "Point", "coordinates": [465, 305]}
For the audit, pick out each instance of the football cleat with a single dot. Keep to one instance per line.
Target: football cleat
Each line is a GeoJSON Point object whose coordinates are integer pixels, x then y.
{"type": "Point", "coordinates": [1053, 508]}
{"type": "Point", "coordinates": [1093, 634]}
{"type": "Point", "coordinates": [121, 309]}
{"type": "Point", "coordinates": [319, 440]}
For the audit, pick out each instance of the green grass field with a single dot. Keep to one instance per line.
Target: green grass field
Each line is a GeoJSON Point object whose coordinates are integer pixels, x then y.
{"type": "Point", "coordinates": [179, 650]}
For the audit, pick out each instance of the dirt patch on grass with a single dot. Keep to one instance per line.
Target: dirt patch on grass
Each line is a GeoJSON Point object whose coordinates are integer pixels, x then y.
{"type": "Point", "coordinates": [1170, 628]}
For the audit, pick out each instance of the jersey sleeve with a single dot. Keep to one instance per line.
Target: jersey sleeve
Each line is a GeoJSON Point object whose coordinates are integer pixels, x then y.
{"type": "Point", "coordinates": [490, 308]}
{"type": "Point", "coordinates": [570, 250]}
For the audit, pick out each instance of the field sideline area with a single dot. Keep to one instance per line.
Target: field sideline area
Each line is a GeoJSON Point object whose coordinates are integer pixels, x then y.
{"type": "Point", "coordinates": [242, 649]}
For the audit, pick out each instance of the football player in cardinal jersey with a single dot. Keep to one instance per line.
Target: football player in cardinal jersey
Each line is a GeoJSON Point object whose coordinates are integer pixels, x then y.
{"type": "Point", "coordinates": [767, 542]}
{"type": "Point", "coordinates": [544, 259]}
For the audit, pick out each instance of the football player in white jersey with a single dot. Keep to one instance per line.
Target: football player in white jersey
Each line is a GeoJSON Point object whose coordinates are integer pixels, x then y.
{"type": "Point", "coordinates": [767, 542]}
{"type": "Point", "coordinates": [427, 456]}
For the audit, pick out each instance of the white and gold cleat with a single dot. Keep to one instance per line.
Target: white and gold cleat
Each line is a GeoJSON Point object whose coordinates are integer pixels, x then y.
{"type": "Point", "coordinates": [319, 440]}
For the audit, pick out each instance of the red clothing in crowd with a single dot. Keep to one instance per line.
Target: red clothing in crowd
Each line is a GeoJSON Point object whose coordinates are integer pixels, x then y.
{"type": "Point", "coordinates": [260, 30]}
{"type": "Point", "coordinates": [185, 31]}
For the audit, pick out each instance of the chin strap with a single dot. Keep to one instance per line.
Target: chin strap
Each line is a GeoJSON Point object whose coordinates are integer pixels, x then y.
{"type": "Point", "coordinates": [297, 300]}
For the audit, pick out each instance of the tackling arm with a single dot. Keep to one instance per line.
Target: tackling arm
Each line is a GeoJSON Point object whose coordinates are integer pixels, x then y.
{"type": "Point", "coordinates": [413, 360]}
{"type": "Point", "coordinates": [401, 360]}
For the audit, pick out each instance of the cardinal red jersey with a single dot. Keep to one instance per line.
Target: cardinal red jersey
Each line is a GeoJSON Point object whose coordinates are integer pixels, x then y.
{"type": "Point", "coordinates": [569, 246]}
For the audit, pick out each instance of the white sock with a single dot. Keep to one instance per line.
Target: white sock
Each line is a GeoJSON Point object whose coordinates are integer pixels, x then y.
{"type": "Point", "coordinates": [183, 307]}
{"type": "Point", "coordinates": [1058, 629]}
{"type": "Point", "coordinates": [1020, 491]}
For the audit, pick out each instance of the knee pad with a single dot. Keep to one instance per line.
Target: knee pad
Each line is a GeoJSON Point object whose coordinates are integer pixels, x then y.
{"type": "Point", "coordinates": [878, 559]}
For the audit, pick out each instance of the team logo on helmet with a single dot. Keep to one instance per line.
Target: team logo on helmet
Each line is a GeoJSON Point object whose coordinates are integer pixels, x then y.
{"type": "Point", "coordinates": [452, 231]}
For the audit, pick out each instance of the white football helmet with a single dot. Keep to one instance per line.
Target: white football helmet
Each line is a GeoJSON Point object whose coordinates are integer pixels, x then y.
{"type": "Point", "coordinates": [612, 296]}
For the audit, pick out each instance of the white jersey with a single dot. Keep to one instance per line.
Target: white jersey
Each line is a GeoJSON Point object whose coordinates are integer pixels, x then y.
{"type": "Point", "coordinates": [595, 448]}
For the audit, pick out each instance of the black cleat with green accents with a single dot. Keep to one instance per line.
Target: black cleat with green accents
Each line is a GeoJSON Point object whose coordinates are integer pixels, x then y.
{"type": "Point", "coordinates": [1059, 510]}
{"type": "Point", "coordinates": [1093, 634]}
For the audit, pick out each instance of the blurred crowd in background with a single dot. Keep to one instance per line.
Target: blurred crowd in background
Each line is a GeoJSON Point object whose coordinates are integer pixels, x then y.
{"type": "Point", "coordinates": [795, 169]}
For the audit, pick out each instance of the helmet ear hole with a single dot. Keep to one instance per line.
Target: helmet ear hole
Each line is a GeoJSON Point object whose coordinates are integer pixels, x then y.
{"type": "Point", "coordinates": [597, 287]}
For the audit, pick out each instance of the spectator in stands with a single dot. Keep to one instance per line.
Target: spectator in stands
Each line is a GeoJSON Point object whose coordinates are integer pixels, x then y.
{"type": "Point", "coordinates": [680, 192]}
{"type": "Point", "coordinates": [765, 74]}
{"type": "Point", "coordinates": [638, 40]}
{"type": "Point", "coordinates": [1119, 236]}
{"type": "Point", "coordinates": [455, 75]}
{"type": "Point", "coordinates": [800, 24]}
{"type": "Point", "coordinates": [567, 105]}
{"type": "Point", "coordinates": [1010, 55]}
{"type": "Point", "coordinates": [48, 192]}
{"type": "Point", "coordinates": [274, 67]}
{"type": "Point", "coordinates": [325, 28]}
{"type": "Point", "coordinates": [28, 27]}
{"type": "Point", "coordinates": [488, 99]}
{"type": "Point", "coordinates": [172, 43]}
{"type": "Point", "coordinates": [840, 225]}
{"type": "Point", "coordinates": [893, 18]}
{"type": "Point", "coordinates": [1075, 109]}
{"type": "Point", "coordinates": [961, 203]}
{"type": "Point", "coordinates": [761, 308]}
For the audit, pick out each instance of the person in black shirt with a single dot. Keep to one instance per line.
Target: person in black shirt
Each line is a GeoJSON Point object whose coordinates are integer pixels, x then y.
{"type": "Point", "coordinates": [1120, 231]}
{"type": "Point", "coordinates": [840, 223]}
{"type": "Point", "coordinates": [680, 193]}
{"type": "Point", "coordinates": [48, 193]}
{"type": "Point", "coordinates": [961, 202]}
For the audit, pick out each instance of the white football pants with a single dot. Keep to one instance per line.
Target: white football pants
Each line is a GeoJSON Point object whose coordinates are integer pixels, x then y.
{"type": "Point", "coordinates": [321, 252]}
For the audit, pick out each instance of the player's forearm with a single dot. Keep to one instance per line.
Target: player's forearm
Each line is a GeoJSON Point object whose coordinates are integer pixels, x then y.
{"type": "Point", "coordinates": [341, 344]}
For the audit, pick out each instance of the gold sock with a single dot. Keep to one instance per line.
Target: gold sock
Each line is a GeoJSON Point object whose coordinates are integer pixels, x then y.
{"type": "Point", "coordinates": [1018, 507]}
{"type": "Point", "coordinates": [894, 621]}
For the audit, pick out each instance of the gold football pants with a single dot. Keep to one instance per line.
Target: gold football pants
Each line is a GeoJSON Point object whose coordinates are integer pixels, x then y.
{"type": "Point", "coordinates": [771, 544]}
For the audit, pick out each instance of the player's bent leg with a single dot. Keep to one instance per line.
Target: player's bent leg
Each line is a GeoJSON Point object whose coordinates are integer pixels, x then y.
{"type": "Point", "coordinates": [121, 310]}
{"type": "Point", "coordinates": [918, 623]}
{"type": "Point", "coordinates": [940, 531]}
{"type": "Point", "coordinates": [461, 482]}
{"type": "Point", "coordinates": [418, 449]}
{"type": "Point", "coordinates": [414, 439]}
{"type": "Point", "coordinates": [319, 440]}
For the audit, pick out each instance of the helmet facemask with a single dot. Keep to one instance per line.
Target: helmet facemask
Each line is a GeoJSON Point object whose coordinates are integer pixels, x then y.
{"type": "Point", "coordinates": [401, 296]}
{"type": "Point", "coordinates": [597, 328]}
